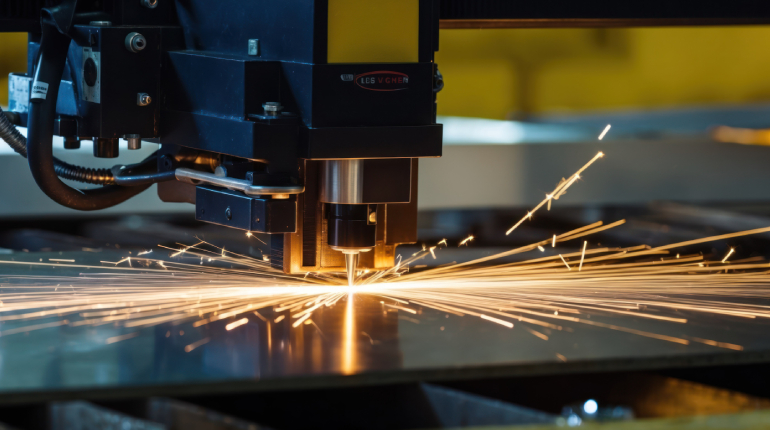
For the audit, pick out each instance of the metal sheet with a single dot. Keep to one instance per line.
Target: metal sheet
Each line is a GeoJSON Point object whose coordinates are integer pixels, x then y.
{"type": "Point", "coordinates": [383, 344]}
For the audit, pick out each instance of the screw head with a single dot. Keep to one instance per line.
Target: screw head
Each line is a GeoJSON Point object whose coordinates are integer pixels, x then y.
{"type": "Point", "coordinates": [143, 99]}
{"type": "Point", "coordinates": [135, 42]}
{"type": "Point", "coordinates": [228, 214]}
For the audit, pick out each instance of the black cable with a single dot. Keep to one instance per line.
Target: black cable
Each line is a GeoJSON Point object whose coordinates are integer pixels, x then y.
{"type": "Point", "coordinates": [18, 142]}
{"type": "Point", "coordinates": [42, 113]}
{"type": "Point", "coordinates": [126, 176]}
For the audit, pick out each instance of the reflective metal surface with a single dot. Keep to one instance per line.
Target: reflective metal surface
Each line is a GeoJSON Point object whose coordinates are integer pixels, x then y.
{"type": "Point", "coordinates": [196, 177]}
{"type": "Point", "coordinates": [342, 181]}
{"type": "Point", "coordinates": [356, 341]}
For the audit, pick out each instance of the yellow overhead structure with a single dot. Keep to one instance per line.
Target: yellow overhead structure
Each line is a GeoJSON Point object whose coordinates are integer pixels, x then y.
{"type": "Point", "coordinates": [506, 73]}
{"type": "Point", "coordinates": [373, 31]}
{"type": "Point", "coordinates": [13, 58]}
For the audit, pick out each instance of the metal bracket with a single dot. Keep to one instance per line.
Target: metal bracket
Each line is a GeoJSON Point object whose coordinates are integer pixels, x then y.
{"type": "Point", "coordinates": [197, 177]}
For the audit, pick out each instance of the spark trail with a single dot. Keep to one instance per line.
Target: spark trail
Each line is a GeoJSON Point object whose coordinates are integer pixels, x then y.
{"type": "Point", "coordinates": [203, 284]}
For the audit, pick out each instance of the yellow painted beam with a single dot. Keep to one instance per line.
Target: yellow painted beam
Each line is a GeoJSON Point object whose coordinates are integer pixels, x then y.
{"type": "Point", "coordinates": [373, 31]}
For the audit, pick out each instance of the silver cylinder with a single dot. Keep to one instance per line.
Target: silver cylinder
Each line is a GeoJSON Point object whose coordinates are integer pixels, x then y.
{"type": "Point", "coordinates": [342, 181]}
{"type": "Point", "coordinates": [134, 141]}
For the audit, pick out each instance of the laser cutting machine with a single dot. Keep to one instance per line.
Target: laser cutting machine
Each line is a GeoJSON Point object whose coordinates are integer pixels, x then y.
{"type": "Point", "coordinates": [301, 119]}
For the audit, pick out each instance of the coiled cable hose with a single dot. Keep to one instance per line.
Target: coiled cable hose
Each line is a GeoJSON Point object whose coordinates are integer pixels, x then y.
{"type": "Point", "coordinates": [42, 114]}
{"type": "Point", "coordinates": [11, 135]}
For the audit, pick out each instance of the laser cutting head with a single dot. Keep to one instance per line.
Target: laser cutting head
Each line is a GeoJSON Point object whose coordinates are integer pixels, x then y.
{"type": "Point", "coordinates": [304, 120]}
{"type": "Point", "coordinates": [348, 125]}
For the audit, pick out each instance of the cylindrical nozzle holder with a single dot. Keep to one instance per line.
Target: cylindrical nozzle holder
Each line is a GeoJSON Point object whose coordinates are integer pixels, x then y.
{"type": "Point", "coordinates": [71, 142]}
{"type": "Point", "coordinates": [348, 227]}
{"type": "Point", "coordinates": [342, 181]}
{"type": "Point", "coordinates": [106, 148]}
{"type": "Point", "coordinates": [134, 141]}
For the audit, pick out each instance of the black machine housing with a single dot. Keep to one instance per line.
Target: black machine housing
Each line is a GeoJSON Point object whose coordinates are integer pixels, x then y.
{"type": "Point", "coordinates": [199, 86]}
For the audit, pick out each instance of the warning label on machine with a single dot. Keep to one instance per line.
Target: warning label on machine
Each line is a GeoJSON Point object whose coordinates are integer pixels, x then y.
{"type": "Point", "coordinates": [39, 90]}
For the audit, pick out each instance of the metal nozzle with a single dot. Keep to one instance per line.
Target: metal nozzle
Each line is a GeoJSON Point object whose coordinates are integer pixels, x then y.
{"type": "Point", "coordinates": [351, 264]}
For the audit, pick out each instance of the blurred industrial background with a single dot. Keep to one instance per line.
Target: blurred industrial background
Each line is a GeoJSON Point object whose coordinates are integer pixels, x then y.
{"type": "Point", "coordinates": [525, 73]}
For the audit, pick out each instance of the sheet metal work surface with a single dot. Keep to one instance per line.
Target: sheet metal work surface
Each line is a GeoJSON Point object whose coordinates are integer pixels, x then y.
{"type": "Point", "coordinates": [383, 344]}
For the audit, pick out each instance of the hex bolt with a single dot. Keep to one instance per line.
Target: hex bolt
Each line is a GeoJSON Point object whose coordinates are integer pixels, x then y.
{"type": "Point", "coordinates": [228, 213]}
{"type": "Point", "coordinates": [150, 4]}
{"type": "Point", "coordinates": [143, 99]}
{"type": "Point", "coordinates": [272, 108]}
{"type": "Point", "coordinates": [134, 141]}
{"type": "Point", "coordinates": [135, 42]}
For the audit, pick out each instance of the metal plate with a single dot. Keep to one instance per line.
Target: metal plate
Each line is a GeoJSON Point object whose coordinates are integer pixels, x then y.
{"type": "Point", "coordinates": [383, 344]}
